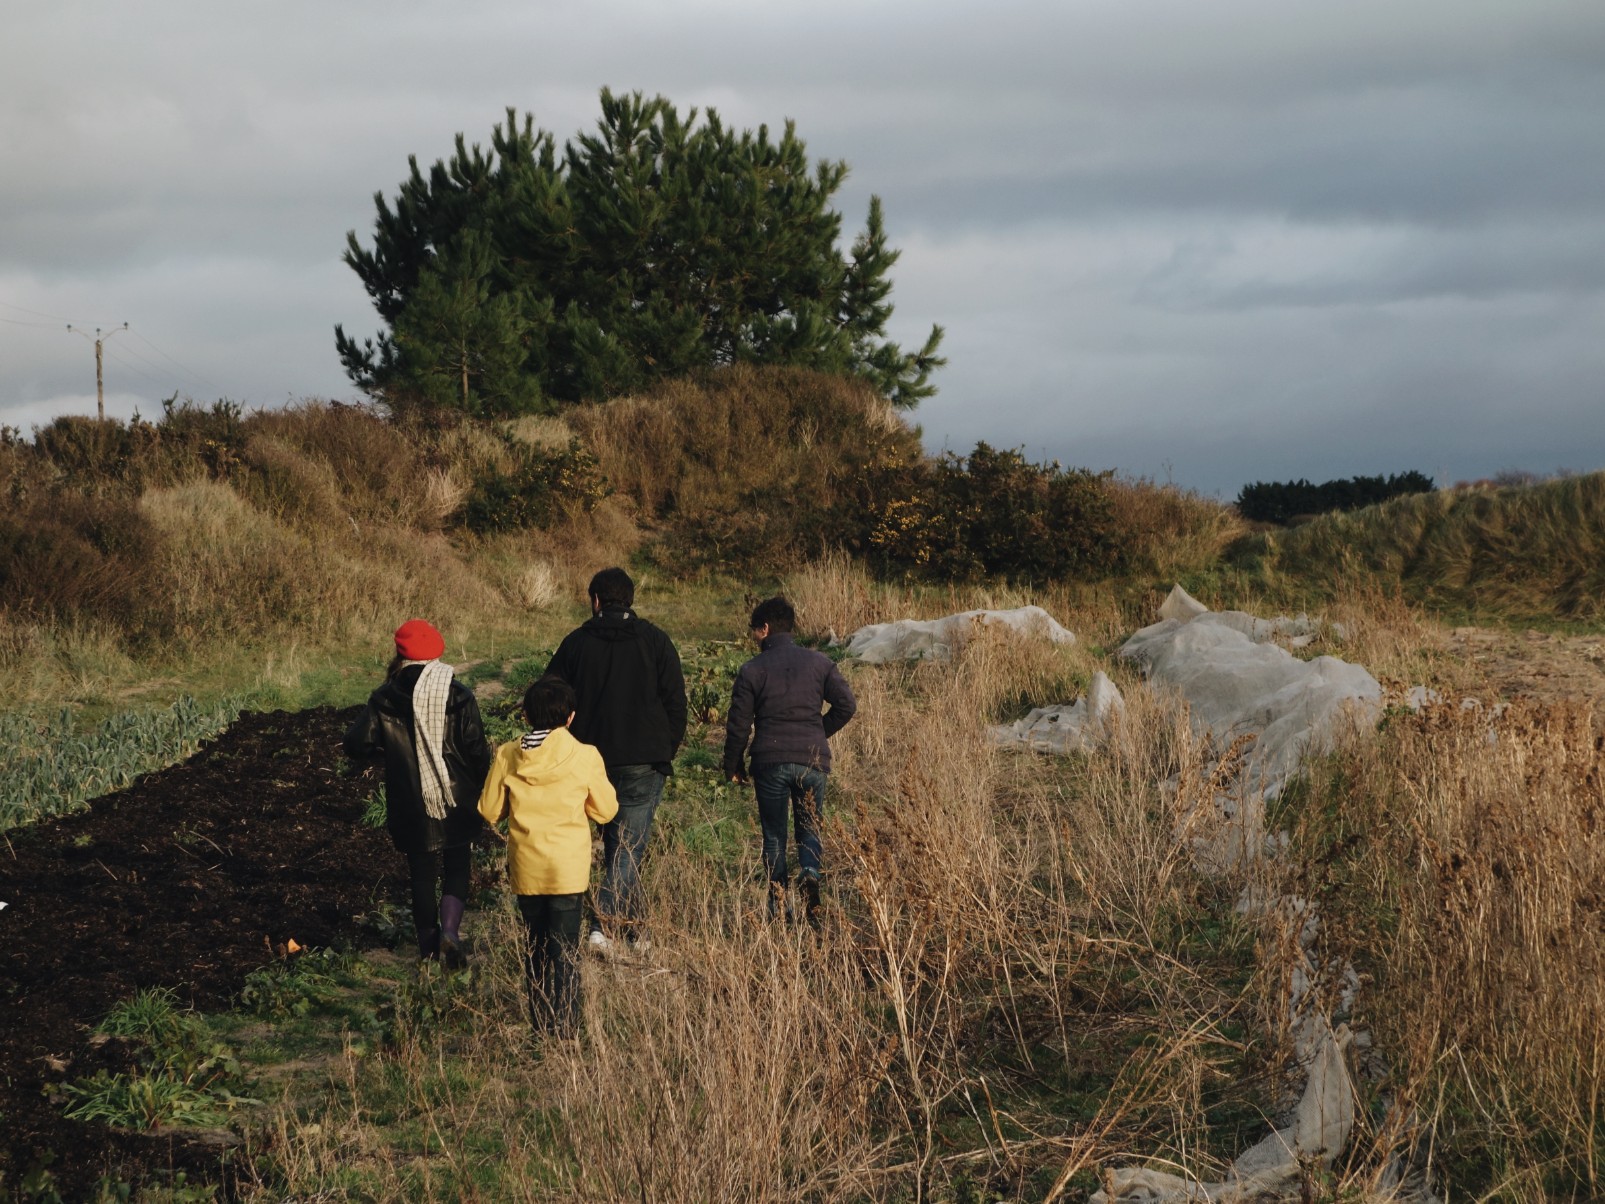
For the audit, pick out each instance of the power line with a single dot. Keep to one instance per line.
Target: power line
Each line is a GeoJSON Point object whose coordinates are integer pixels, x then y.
{"type": "Point", "coordinates": [19, 322]}
{"type": "Point", "coordinates": [36, 313]}
{"type": "Point", "coordinates": [127, 350]}
{"type": "Point", "coordinates": [111, 354]}
{"type": "Point", "coordinates": [165, 356]}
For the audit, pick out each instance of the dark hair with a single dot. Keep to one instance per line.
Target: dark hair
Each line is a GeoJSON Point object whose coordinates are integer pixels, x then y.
{"type": "Point", "coordinates": [613, 589]}
{"type": "Point", "coordinates": [548, 702]}
{"type": "Point", "coordinates": [774, 612]}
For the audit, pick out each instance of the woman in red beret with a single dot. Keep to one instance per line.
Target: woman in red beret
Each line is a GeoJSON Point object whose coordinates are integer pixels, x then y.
{"type": "Point", "coordinates": [427, 727]}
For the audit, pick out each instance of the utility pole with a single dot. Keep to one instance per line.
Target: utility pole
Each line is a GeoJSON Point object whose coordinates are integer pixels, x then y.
{"type": "Point", "coordinates": [100, 377]}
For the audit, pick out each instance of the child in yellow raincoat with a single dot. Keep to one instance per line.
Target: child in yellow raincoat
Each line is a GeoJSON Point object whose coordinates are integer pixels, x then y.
{"type": "Point", "coordinates": [550, 788]}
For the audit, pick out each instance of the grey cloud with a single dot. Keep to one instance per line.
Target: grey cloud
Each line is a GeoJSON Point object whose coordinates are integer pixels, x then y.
{"type": "Point", "coordinates": [1244, 239]}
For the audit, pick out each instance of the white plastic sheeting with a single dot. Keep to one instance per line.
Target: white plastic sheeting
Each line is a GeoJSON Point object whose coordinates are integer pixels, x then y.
{"type": "Point", "coordinates": [940, 639]}
{"type": "Point", "coordinates": [1237, 682]}
{"type": "Point", "coordinates": [1064, 729]}
{"type": "Point", "coordinates": [1299, 631]}
{"type": "Point", "coordinates": [1319, 1130]}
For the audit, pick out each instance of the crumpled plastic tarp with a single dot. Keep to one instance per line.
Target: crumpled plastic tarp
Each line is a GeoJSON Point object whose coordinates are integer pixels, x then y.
{"type": "Point", "coordinates": [1237, 681]}
{"type": "Point", "coordinates": [940, 639]}
{"type": "Point", "coordinates": [1063, 729]}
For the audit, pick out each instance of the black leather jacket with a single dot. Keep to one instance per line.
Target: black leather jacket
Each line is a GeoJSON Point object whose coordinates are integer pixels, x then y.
{"type": "Point", "coordinates": [384, 728]}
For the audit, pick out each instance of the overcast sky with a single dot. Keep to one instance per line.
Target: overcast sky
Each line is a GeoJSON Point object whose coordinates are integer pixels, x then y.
{"type": "Point", "coordinates": [1219, 242]}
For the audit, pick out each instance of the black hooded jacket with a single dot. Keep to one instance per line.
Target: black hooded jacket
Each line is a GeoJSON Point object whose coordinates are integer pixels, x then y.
{"type": "Point", "coordinates": [385, 728]}
{"type": "Point", "coordinates": [628, 687]}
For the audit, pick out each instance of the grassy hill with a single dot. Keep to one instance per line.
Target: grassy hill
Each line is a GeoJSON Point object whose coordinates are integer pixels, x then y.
{"type": "Point", "coordinates": [1526, 553]}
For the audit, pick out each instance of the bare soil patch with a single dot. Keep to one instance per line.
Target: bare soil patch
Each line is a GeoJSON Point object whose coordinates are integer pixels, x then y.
{"type": "Point", "coordinates": [1546, 666]}
{"type": "Point", "coordinates": [188, 879]}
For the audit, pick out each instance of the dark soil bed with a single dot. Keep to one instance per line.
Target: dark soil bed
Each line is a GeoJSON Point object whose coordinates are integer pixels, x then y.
{"type": "Point", "coordinates": [185, 880]}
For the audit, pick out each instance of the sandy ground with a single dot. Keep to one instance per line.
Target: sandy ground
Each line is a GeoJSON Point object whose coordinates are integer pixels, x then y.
{"type": "Point", "coordinates": [1542, 665]}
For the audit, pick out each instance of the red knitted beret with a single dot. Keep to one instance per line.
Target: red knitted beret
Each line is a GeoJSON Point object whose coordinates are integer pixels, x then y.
{"type": "Point", "coordinates": [418, 641]}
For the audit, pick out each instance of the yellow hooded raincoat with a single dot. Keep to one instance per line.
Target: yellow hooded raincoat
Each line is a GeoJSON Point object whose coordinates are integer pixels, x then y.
{"type": "Point", "coordinates": [547, 794]}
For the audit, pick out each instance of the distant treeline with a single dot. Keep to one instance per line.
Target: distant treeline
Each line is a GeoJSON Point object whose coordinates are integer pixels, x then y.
{"type": "Point", "coordinates": [1283, 501]}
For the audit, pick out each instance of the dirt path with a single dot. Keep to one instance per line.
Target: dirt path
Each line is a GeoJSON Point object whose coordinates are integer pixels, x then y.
{"type": "Point", "coordinates": [184, 880]}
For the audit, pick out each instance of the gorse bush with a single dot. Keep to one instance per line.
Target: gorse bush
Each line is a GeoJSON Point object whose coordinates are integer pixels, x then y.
{"type": "Point", "coordinates": [543, 485]}
{"type": "Point", "coordinates": [114, 457]}
{"type": "Point", "coordinates": [991, 513]}
{"type": "Point", "coordinates": [1283, 501]}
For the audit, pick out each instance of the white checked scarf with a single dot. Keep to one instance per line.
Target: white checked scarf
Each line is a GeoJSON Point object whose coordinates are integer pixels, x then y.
{"type": "Point", "coordinates": [429, 697]}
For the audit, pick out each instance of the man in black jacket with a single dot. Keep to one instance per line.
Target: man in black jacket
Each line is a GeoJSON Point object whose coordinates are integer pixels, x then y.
{"type": "Point", "coordinates": [778, 698]}
{"type": "Point", "coordinates": [630, 703]}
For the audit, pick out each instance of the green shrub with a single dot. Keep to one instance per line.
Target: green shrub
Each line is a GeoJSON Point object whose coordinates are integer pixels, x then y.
{"type": "Point", "coordinates": [376, 810]}
{"type": "Point", "coordinates": [152, 1017]}
{"type": "Point", "coordinates": [543, 485]}
{"type": "Point", "coordinates": [286, 989]}
{"type": "Point", "coordinates": [141, 1101]}
{"type": "Point", "coordinates": [184, 1077]}
{"type": "Point", "coordinates": [991, 513]}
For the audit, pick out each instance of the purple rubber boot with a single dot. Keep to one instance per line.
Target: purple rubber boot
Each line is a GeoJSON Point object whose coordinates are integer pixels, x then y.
{"type": "Point", "coordinates": [451, 918]}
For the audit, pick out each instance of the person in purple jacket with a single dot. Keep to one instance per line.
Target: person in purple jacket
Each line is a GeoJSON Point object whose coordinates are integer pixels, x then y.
{"type": "Point", "coordinates": [777, 700]}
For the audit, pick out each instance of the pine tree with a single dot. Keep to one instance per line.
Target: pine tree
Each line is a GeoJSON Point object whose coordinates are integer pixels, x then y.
{"type": "Point", "coordinates": [654, 246]}
{"type": "Point", "coordinates": [459, 343]}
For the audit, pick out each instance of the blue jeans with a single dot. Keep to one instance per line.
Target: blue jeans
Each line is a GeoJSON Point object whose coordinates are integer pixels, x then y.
{"type": "Point", "coordinates": [624, 840]}
{"type": "Point", "coordinates": [801, 788]}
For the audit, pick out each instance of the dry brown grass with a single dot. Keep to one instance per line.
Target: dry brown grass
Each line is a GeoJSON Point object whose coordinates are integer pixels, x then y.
{"type": "Point", "coordinates": [1528, 552]}
{"type": "Point", "coordinates": [217, 537]}
{"type": "Point", "coordinates": [1460, 860]}
{"type": "Point", "coordinates": [1169, 531]}
{"type": "Point", "coordinates": [999, 997]}
{"type": "Point", "coordinates": [742, 469]}
{"type": "Point", "coordinates": [703, 447]}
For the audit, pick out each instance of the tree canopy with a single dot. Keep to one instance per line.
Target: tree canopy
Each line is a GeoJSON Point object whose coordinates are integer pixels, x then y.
{"type": "Point", "coordinates": [520, 279]}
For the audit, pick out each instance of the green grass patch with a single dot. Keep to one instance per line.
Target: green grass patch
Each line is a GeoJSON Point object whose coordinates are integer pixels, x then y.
{"type": "Point", "coordinates": [185, 1077]}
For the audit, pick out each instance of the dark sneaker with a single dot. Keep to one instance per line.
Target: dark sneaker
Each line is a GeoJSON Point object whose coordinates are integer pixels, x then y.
{"type": "Point", "coordinates": [809, 887]}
